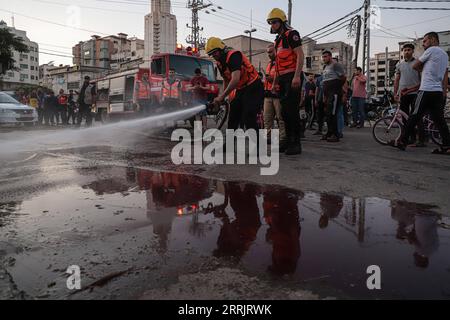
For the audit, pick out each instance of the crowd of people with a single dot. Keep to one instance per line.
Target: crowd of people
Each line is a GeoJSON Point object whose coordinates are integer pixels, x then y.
{"type": "Point", "coordinates": [63, 109]}
{"type": "Point", "coordinates": [421, 87]}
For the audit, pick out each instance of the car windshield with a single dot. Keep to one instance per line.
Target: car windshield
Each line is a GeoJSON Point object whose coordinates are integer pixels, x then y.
{"type": "Point", "coordinates": [185, 66]}
{"type": "Point", "coordinates": [4, 98]}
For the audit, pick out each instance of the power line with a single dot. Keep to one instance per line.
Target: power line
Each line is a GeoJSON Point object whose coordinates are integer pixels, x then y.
{"type": "Point", "coordinates": [52, 22]}
{"type": "Point", "coordinates": [88, 7]}
{"type": "Point", "coordinates": [334, 22]}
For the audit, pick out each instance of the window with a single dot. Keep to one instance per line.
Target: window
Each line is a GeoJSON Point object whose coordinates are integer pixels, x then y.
{"type": "Point", "coordinates": [159, 66]}
{"type": "Point", "coordinates": [73, 85]}
{"type": "Point", "coordinates": [32, 77]}
{"type": "Point", "coordinates": [23, 56]}
{"type": "Point", "coordinates": [308, 62]}
{"type": "Point", "coordinates": [32, 58]}
{"type": "Point", "coordinates": [23, 66]}
{"type": "Point", "coordinates": [382, 70]}
{"type": "Point", "coordinates": [23, 76]}
{"type": "Point", "coordinates": [185, 66]}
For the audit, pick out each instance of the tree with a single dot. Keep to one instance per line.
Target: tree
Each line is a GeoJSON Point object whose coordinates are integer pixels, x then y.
{"type": "Point", "coordinates": [8, 44]}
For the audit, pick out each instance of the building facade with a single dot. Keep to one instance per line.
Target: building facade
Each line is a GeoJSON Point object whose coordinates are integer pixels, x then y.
{"type": "Point", "coordinates": [71, 77]}
{"type": "Point", "coordinates": [26, 63]}
{"type": "Point", "coordinates": [107, 52]}
{"type": "Point", "coordinates": [342, 51]}
{"type": "Point", "coordinates": [160, 30]}
{"type": "Point", "coordinates": [382, 75]}
{"type": "Point", "coordinates": [44, 75]}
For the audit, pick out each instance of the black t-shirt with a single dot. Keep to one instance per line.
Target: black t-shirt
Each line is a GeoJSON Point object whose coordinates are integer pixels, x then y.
{"type": "Point", "coordinates": [293, 40]}
{"type": "Point", "coordinates": [235, 62]}
{"type": "Point", "coordinates": [310, 89]}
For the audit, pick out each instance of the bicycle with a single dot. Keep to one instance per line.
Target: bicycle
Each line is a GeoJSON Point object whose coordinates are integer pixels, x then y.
{"type": "Point", "coordinates": [392, 128]}
{"type": "Point", "coordinates": [383, 108]}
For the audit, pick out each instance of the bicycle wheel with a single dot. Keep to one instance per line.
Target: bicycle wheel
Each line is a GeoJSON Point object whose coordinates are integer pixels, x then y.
{"type": "Point", "coordinates": [383, 134]}
{"type": "Point", "coordinates": [435, 135]}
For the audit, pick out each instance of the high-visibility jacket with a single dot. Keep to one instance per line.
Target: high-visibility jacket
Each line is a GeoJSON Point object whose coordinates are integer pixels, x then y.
{"type": "Point", "coordinates": [286, 61]}
{"type": "Point", "coordinates": [171, 90]}
{"type": "Point", "coordinates": [248, 71]}
{"type": "Point", "coordinates": [142, 90]}
{"type": "Point", "coordinates": [270, 72]}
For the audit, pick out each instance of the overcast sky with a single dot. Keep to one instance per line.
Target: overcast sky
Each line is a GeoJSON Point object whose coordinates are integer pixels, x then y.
{"type": "Point", "coordinates": [127, 16]}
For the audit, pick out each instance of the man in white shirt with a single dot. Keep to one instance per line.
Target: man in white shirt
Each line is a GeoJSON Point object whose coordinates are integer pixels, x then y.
{"type": "Point", "coordinates": [432, 93]}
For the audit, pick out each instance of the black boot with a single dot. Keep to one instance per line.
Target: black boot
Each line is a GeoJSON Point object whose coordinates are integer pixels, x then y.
{"type": "Point", "coordinates": [295, 147]}
{"type": "Point", "coordinates": [283, 146]}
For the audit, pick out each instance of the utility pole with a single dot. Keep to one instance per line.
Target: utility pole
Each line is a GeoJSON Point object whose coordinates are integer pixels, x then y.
{"type": "Point", "coordinates": [366, 50]}
{"type": "Point", "coordinates": [290, 12]}
{"type": "Point", "coordinates": [194, 39]}
{"type": "Point", "coordinates": [250, 45]}
{"type": "Point", "coordinates": [358, 40]}
{"type": "Point", "coordinates": [250, 32]}
{"type": "Point", "coordinates": [386, 69]}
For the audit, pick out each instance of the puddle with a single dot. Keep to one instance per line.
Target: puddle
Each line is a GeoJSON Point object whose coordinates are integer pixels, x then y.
{"type": "Point", "coordinates": [283, 234]}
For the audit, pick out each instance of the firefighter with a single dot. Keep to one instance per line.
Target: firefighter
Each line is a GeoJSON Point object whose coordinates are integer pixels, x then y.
{"type": "Point", "coordinates": [241, 80]}
{"type": "Point", "coordinates": [171, 87]}
{"type": "Point", "coordinates": [143, 93]}
{"type": "Point", "coordinates": [289, 76]}
{"type": "Point", "coordinates": [272, 106]}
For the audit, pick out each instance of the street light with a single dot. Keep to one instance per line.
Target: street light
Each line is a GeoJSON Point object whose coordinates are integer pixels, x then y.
{"type": "Point", "coordinates": [249, 32]}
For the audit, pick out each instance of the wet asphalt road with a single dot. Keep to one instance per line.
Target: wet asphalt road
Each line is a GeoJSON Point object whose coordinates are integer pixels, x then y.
{"type": "Point", "coordinates": [112, 201]}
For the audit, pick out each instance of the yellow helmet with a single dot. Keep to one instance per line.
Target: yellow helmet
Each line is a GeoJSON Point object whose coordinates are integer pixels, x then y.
{"type": "Point", "coordinates": [277, 14]}
{"type": "Point", "coordinates": [214, 44]}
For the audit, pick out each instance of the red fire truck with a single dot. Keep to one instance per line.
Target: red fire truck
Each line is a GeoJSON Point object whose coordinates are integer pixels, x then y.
{"type": "Point", "coordinates": [147, 91]}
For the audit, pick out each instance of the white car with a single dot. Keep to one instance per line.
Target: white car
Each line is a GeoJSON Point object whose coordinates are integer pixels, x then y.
{"type": "Point", "coordinates": [13, 112]}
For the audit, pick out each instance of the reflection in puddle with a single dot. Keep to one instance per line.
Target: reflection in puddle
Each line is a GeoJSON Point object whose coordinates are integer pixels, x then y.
{"type": "Point", "coordinates": [277, 231]}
